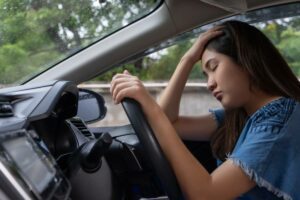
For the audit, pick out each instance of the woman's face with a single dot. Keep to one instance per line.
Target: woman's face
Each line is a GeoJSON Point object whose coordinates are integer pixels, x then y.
{"type": "Point", "coordinates": [226, 80]}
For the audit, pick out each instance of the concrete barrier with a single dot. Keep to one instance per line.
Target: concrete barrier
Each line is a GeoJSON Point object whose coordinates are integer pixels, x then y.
{"type": "Point", "coordinates": [196, 100]}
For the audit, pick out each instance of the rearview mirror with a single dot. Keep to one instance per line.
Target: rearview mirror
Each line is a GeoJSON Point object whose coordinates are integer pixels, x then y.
{"type": "Point", "coordinates": [91, 106]}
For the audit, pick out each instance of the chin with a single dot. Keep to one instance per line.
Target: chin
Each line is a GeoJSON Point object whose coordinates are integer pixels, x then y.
{"type": "Point", "coordinates": [228, 104]}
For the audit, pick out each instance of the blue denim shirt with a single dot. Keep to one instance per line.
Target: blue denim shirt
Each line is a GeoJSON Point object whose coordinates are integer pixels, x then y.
{"type": "Point", "coordinates": [268, 150]}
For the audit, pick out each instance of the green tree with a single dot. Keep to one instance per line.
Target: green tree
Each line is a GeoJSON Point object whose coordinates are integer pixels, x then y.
{"type": "Point", "coordinates": [36, 34]}
{"type": "Point", "coordinates": [282, 32]}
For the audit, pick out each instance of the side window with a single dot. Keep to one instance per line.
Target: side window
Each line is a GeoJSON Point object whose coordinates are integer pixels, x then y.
{"type": "Point", "coordinates": [155, 70]}
{"type": "Point", "coordinates": [156, 67]}
{"type": "Point", "coordinates": [285, 34]}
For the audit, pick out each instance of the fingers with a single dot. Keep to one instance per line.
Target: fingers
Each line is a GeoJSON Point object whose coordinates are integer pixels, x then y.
{"type": "Point", "coordinates": [126, 72]}
{"type": "Point", "coordinates": [206, 37]}
{"type": "Point", "coordinates": [217, 28]}
{"type": "Point", "coordinates": [210, 34]}
{"type": "Point", "coordinates": [125, 92]}
{"type": "Point", "coordinates": [118, 78]}
{"type": "Point", "coordinates": [214, 29]}
{"type": "Point", "coordinates": [125, 85]}
{"type": "Point", "coordinates": [120, 75]}
{"type": "Point", "coordinates": [120, 91]}
{"type": "Point", "coordinates": [195, 52]}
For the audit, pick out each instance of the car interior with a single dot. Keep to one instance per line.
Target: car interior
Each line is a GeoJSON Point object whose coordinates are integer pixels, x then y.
{"type": "Point", "coordinates": [49, 151]}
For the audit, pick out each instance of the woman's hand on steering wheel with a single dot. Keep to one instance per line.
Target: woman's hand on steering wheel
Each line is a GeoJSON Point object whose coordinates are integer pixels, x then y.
{"type": "Point", "coordinates": [126, 85]}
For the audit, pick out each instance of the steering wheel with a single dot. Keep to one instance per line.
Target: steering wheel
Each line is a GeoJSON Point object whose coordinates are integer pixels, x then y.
{"type": "Point", "coordinates": [156, 156]}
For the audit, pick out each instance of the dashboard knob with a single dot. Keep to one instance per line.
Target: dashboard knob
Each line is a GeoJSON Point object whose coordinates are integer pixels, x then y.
{"type": "Point", "coordinates": [92, 152]}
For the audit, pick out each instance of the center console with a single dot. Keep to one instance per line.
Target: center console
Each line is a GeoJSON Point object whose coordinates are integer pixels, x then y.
{"type": "Point", "coordinates": [28, 170]}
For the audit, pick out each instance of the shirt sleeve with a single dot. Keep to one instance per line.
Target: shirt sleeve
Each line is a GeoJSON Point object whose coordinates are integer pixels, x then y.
{"type": "Point", "coordinates": [266, 151]}
{"type": "Point", "coordinates": [218, 115]}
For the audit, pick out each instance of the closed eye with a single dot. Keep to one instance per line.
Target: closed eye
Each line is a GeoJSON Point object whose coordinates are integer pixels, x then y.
{"type": "Point", "coordinates": [213, 67]}
{"type": "Point", "coordinates": [211, 64]}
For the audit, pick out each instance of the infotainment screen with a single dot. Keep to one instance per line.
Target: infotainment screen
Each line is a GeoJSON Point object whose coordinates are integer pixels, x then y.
{"type": "Point", "coordinates": [29, 161]}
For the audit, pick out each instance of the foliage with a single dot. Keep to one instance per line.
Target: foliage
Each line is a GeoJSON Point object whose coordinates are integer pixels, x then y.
{"type": "Point", "coordinates": [283, 34]}
{"type": "Point", "coordinates": [37, 34]}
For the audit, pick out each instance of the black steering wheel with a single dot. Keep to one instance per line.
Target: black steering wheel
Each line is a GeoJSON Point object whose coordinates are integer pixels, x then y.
{"type": "Point", "coordinates": [156, 156]}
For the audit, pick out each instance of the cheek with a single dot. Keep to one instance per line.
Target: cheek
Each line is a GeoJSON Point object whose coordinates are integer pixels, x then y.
{"type": "Point", "coordinates": [236, 90]}
{"type": "Point", "coordinates": [235, 98]}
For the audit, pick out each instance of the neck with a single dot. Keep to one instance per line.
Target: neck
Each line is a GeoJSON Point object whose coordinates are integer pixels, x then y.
{"type": "Point", "coordinates": [258, 100]}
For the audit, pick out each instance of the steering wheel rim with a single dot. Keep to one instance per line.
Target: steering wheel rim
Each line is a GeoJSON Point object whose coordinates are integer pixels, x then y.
{"type": "Point", "coordinates": [152, 148]}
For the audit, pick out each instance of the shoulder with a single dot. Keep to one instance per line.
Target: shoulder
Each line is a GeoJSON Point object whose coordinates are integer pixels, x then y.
{"type": "Point", "coordinates": [268, 147]}
{"type": "Point", "coordinates": [274, 114]}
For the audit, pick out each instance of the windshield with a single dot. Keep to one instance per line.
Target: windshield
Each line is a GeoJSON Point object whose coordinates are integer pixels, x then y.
{"type": "Point", "coordinates": [35, 35]}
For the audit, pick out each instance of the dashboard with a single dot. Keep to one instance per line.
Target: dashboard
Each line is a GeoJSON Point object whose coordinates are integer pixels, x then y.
{"type": "Point", "coordinates": [48, 152]}
{"type": "Point", "coordinates": [35, 134]}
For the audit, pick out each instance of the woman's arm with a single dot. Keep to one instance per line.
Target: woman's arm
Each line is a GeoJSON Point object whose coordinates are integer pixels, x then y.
{"type": "Point", "coordinates": [170, 98]}
{"type": "Point", "coordinates": [188, 127]}
{"type": "Point", "coordinates": [226, 182]}
{"type": "Point", "coordinates": [198, 128]}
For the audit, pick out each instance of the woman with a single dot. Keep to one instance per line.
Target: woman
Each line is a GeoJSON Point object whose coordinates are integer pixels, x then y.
{"type": "Point", "coordinates": [255, 136]}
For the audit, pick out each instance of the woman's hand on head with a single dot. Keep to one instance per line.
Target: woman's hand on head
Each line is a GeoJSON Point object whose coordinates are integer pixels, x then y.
{"type": "Point", "coordinates": [126, 85]}
{"type": "Point", "coordinates": [194, 54]}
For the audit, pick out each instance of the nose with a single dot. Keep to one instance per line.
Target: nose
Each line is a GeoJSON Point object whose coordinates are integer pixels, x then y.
{"type": "Point", "coordinates": [211, 84]}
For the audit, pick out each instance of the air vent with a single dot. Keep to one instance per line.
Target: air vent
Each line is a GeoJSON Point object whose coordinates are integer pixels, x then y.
{"type": "Point", "coordinates": [6, 109]}
{"type": "Point", "coordinates": [76, 121]}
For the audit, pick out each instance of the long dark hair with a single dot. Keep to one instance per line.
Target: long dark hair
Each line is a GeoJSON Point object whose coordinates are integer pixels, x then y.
{"type": "Point", "coordinates": [267, 69]}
